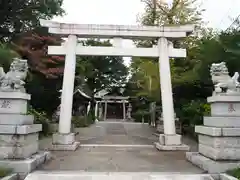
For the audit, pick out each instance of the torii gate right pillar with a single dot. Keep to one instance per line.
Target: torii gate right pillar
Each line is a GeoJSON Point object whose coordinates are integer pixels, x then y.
{"type": "Point", "coordinates": [169, 140]}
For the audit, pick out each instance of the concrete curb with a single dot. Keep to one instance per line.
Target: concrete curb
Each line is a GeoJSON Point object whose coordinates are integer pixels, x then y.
{"type": "Point", "coordinates": [118, 145]}
{"type": "Point", "coordinates": [115, 176]}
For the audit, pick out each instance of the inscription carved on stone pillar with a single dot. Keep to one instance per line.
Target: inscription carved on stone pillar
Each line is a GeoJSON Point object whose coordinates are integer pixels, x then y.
{"type": "Point", "coordinates": [5, 104]}
{"type": "Point", "coordinates": [231, 108]}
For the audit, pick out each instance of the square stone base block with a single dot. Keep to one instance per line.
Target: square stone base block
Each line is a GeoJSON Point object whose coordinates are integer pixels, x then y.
{"type": "Point", "coordinates": [210, 165]}
{"type": "Point", "coordinates": [219, 154]}
{"type": "Point", "coordinates": [18, 152]}
{"type": "Point", "coordinates": [174, 139]}
{"type": "Point", "coordinates": [63, 138]}
{"type": "Point", "coordinates": [181, 147]}
{"type": "Point", "coordinates": [26, 165]}
{"type": "Point", "coordinates": [65, 147]}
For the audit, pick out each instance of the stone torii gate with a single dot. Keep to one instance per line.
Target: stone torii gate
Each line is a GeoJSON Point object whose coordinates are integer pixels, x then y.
{"type": "Point", "coordinates": [164, 50]}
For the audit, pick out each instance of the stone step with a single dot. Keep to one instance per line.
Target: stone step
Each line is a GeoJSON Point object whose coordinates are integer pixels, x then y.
{"type": "Point", "coordinates": [20, 129]}
{"type": "Point", "coordinates": [217, 132]}
{"type": "Point", "coordinates": [210, 165]}
{"type": "Point", "coordinates": [71, 175]}
{"type": "Point", "coordinates": [16, 119]}
{"type": "Point", "coordinates": [224, 121]}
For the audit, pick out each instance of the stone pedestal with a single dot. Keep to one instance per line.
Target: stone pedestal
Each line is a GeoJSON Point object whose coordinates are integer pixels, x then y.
{"type": "Point", "coordinates": [219, 137]}
{"type": "Point", "coordinates": [170, 142]}
{"type": "Point", "coordinates": [64, 142]}
{"type": "Point", "coordinates": [18, 134]}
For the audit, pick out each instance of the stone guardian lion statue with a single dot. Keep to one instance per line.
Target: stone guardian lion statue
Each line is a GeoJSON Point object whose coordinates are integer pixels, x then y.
{"type": "Point", "coordinates": [223, 83]}
{"type": "Point", "coordinates": [13, 80]}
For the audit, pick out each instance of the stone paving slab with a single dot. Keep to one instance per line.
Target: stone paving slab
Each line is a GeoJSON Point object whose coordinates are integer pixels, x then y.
{"type": "Point", "coordinates": [115, 176]}
{"type": "Point", "coordinates": [117, 133]}
{"type": "Point", "coordinates": [118, 147]}
{"type": "Point", "coordinates": [117, 159]}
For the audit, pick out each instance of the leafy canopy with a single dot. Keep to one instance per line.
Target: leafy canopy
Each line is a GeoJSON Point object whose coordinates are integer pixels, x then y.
{"type": "Point", "coordinates": [101, 72]}
{"type": "Point", "coordinates": [18, 16]}
{"type": "Point", "coordinates": [157, 13]}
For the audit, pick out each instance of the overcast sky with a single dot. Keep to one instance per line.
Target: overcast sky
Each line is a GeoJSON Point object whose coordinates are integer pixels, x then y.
{"type": "Point", "coordinates": [219, 13]}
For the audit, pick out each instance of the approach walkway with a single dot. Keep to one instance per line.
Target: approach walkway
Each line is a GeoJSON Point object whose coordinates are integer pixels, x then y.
{"type": "Point", "coordinates": [118, 147]}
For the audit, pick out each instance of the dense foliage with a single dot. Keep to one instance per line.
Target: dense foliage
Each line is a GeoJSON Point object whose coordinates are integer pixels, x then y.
{"type": "Point", "coordinates": [41, 118]}
{"type": "Point", "coordinates": [190, 76]}
{"type": "Point", "coordinates": [235, 173]}
{"type": "Point", "coordinates": [6, 56]}
{"type": "Point", "coordinates": [83, 121]}
{"type": "Point", "coordinates": [33, 46]}
{"type": "Point", "coordinates": [19, 31]}
{"type": "Point", "coordinates": [101, 72]}
{"type": "Point", "coordinates": [17, 16]}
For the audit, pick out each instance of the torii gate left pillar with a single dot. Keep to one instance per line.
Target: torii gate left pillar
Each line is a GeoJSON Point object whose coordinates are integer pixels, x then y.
{"type": "Point", "coordinates": [65, 139]}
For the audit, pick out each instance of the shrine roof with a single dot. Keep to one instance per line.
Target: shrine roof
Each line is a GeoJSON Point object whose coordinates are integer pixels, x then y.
{"type": "Point", "coordinates": [84, 91]}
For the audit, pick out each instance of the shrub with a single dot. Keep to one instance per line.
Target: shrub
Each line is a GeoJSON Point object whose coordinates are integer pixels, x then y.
{"type": "Point", "coordinates": [192, 113]}
{"type": "Point", "coordinates": [41, 118]}
{"type": "Point", "coordinates": [79, 121]}
{"type": "Point", "coordinates": [4, 172]}
{"type": "Point", "coordinates": [83, 121]}
{"type": "Point", "coordinates": [137, 116]}
{"type": "Point", "coordinates": [235, 173]}
{"type": "Point", "coordinates": [91, 117]}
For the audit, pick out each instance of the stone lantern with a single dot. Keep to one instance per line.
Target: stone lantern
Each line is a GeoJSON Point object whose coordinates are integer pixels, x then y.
{"type": "Point", "coordinates": [129, 111]}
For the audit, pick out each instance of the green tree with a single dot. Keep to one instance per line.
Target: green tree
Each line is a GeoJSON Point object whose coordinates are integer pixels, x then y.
{"type": "Point", "coordinates": [101, 72]}
{"type": "Point", "coordinates": [6, 56]}
{"type": "Point", "coordinates": [45, 72]}
{"type": "Point", "coordinates": [211, 48]}
{"type": "Point", "coordinates": [145, 78]}
{"type": "Point", "coordinates": [17, 16]}
{"type": "Point", "coordinates": [179, 12]}
{"type": "Point", "coordinates": [44, 92]}
{"type": "Point", "coordinates": [157, 13]}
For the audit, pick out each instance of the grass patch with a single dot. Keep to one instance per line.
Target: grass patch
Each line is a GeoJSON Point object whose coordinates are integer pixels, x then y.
{"type": "Point", "coordinates": [5, 172]}
{"type": "Point", "coordinates": [235, 173]}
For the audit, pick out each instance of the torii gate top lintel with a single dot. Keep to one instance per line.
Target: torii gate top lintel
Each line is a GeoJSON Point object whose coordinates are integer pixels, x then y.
{"type": "Point", "coordinates": [124, 31]}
